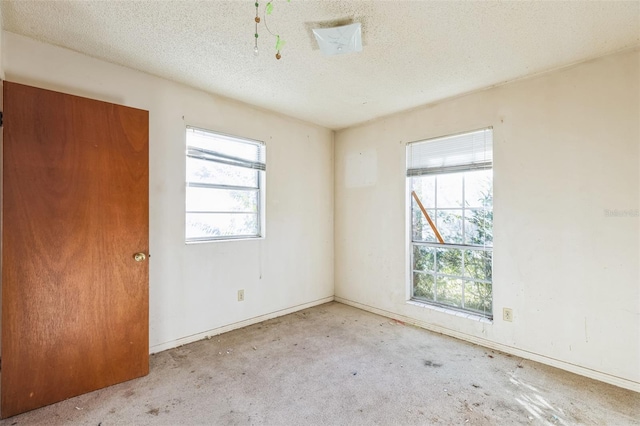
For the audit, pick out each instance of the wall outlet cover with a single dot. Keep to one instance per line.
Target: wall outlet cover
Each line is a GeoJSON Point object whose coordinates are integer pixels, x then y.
{"type": "Point", "coordinates": [507, 314]}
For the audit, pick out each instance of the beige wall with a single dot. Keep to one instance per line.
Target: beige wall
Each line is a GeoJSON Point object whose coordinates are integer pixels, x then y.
{"type": "Point", "coordinates": [566, 149]}
{"type": "Point", "coordinates": [193, 288]}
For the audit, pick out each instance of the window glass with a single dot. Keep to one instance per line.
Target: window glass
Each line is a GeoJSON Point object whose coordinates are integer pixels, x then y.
{"type": "Point", "coordinates": [452, 235]}
{"type": "Point", "coordinates": [224, 187]}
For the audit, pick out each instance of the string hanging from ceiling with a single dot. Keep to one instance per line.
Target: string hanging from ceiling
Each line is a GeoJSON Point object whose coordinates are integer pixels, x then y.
{"type": "Point", "coordinates": [268, 9]}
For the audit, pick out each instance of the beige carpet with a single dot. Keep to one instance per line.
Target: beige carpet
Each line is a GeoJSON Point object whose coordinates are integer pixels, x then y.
{"type": "Point", "coordinates": [337, 365]}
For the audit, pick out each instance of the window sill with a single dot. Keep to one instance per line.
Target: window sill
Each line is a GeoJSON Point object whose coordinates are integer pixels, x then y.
{"type": "Point", "coordinates": [223, 240]}
{"type": "Point", "coordinates": [467, 315]}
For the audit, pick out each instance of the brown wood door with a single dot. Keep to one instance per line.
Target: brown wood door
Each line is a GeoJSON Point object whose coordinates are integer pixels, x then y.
{"type": "Point", "coordinates": [75, 211]}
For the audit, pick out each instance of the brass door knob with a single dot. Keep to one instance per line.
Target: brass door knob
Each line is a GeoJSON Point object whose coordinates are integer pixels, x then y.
{"type": "Point", "coordinates": [139, 257]}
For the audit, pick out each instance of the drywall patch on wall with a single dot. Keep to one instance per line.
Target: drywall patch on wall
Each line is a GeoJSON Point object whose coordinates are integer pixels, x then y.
{"type": "Point", "coordinates": [361, 168]}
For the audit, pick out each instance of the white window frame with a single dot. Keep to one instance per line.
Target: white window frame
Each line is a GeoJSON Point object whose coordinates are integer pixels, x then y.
{"type": "Point", "coordinates": [435, 171]}
{"type": "Point", "coordinates": [260, 168]}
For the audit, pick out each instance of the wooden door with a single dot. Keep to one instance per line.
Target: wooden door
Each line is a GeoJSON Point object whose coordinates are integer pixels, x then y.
{"type": "Point", "coordinates": [75, 211]}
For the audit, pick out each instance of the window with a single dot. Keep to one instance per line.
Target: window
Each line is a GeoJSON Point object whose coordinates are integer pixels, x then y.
{"type": "Point", "coordinates": [225, 187]}
{"type": "Point", "coordinates": [450, 181]}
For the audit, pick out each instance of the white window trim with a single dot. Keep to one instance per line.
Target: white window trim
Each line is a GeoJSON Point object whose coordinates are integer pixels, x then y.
{"type": "Point", "coordinates": [261, 195]}
{"type": "Point", "coordinates": [409, 247]}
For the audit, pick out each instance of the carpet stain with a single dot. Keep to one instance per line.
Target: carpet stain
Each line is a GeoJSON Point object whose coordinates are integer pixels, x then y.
{"type": "Point", "coordinates": [154, 411]}
{"type": "Point", "coordinates": [428, 363]}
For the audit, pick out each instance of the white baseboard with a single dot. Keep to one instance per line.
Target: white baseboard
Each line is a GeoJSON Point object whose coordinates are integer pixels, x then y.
{"type": "Point", "coordinates": [215, 331]}
{"type": "Point", "coordinates": [583, 371]}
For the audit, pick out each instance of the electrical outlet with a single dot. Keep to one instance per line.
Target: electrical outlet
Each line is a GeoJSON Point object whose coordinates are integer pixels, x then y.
{"type": "Point", "coordinates": [507, 314]}
{"type": "Point", "coordinates": [240, 295]}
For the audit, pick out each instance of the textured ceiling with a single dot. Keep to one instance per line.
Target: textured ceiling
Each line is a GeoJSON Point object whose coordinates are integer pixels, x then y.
{"type": "Point", "coordinates": [415, 52]}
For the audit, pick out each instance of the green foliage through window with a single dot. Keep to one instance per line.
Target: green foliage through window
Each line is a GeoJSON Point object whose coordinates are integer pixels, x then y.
{"type": "Point", "coordinates": [458, 273]}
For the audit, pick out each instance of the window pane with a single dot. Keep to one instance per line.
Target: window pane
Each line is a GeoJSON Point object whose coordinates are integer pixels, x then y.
{"type": "Point", "coordinates": [460, 202]}
{"type": "Point", "coordinates": [477, 264]}
{"type": "Point", "coordinates": [477, 296]}
{"type": "Point", "coordinates": [424, 258]}
{"type": "Point", "coordinates": [478, 188]}
{"type": "Point", "coordinates": [449, 224]}
{"type": "Point", "coordinates": [449, 261]}
{"type": "Point", "coordinates": [449, 190]}
{"type": "Point", "coordinates": [213, 225]}
{"type": "Point", "coordinates": [202, 171]}
{"type": "Point", "coordinates": [478, 227]}
{"type": "Point", "coordinates": [425, 188]}
{"type": "Point", "coordinates": [423, 285]}
{"type": "Point", "coordinates": [421, 229]}
{"type": "Point", "coordinates": [449, 291]}
{"type": "Point", "coordinates": [221, 200]}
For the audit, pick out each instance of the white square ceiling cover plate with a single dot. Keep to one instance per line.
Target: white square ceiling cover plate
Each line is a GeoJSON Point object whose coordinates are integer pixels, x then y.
{"type": "Point", "coordinates": [339, 40]}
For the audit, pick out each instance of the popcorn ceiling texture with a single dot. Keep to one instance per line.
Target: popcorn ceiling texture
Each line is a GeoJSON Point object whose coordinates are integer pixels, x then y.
{"type": "Point", "coordinates": [415, 52]}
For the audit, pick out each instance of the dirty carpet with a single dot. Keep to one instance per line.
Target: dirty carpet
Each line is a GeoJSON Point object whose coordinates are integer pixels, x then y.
{"type": "Point", "coordinates": [337, 365]}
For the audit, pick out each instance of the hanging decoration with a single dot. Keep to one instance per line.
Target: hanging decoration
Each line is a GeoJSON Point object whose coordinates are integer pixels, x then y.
{"type": "Point", "coordinates": [268, 9]}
